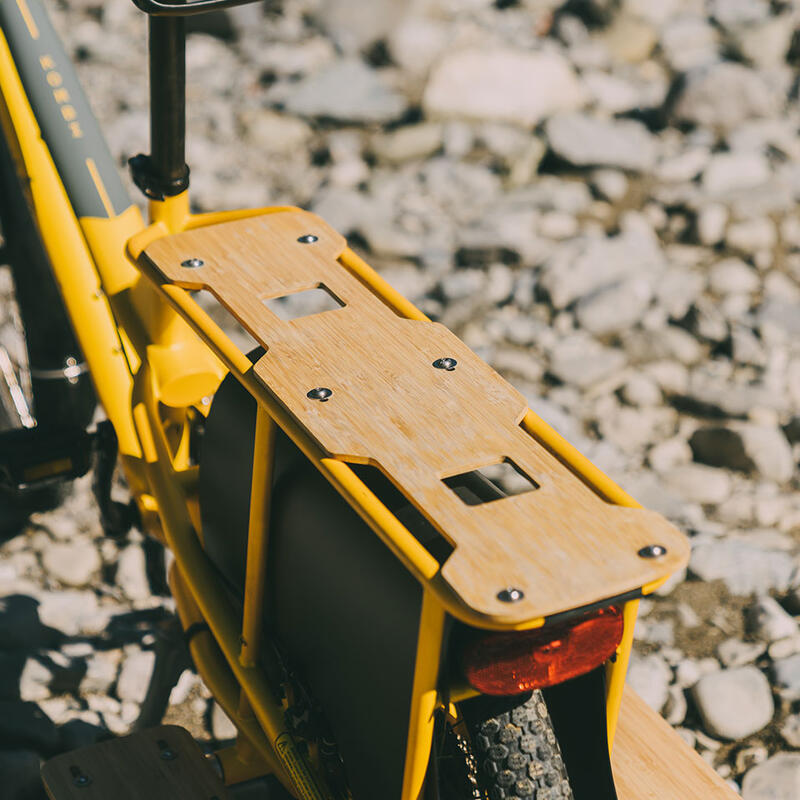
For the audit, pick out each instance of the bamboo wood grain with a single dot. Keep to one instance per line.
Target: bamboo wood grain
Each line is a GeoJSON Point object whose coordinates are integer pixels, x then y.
{"type": "Point", "coordinates": [132, 768]}
{"type": "Point", "coordinates": [651, 762]}
{"type": "Point", "coordinates": [561, 544]}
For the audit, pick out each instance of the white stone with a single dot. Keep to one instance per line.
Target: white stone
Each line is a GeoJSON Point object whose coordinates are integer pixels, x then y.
{"type": "Point", "coordinates": [649, 676]}
{"type": "Point", "coordinates": [711, 222]}
{"type": "Point", "coordinates": [698, 483]}
{"type": "Point", "coordinates": [502, 85]}
{"type": "Point", "coordinates": [71, 563]}
{"type": "Point", "coordinates": [769, 621]}
{"type": "Point", "coordinates": [727, 172]}
{"type": "Point", "coordinates": [775, 779]}
{"type": "Point", "coordinates": [734, 703]}
{"type": "Point", "coordinates": [132, 573]}
{"type": "Point", "coordinates": [732, 276]}
{"type": "Point", "coordinates": [134, 677]}
{"type": "Point", "coordinates": [589, 141]}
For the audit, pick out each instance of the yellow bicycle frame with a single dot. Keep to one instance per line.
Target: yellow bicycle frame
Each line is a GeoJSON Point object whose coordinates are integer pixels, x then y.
{"type": "Point", "coordinates": [151, 353]}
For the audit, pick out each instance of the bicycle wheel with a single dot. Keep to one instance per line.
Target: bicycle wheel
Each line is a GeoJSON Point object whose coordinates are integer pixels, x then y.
{"type": "Point", "coordinates": [516, 752]}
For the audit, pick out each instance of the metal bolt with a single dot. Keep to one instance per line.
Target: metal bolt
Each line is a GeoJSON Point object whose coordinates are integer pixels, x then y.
{"type": "Point", "coordinates": [653, 551]}
{"type": "Point", "coordinates": [168, 755]}
{"type": "Point", "coordinates": [78, 777]}
{"type": "Point", "coordinates": [193, 263]}
{"type": "Point", "coordinates": [321, 393]}
{"type": "Point", "coordinates": [510, 595]}
{"type": "Point", "coordinates": [309, 238]}
{"type": "Point", "coordinates": [448, 364]}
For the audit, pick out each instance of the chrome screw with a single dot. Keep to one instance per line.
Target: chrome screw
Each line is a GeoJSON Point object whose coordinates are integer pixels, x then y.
{"type": "Point", "coordinates": [193, 263]}
{"type": "Point", "coordinates": [510, 595]}
{"type": "Point", "coordinates": [309, 238]}
{"type": "Point", "coordinates": [448, 364]}
{"type": "Point", "coordinates": [168, 755]}
{"type": "Point", "coordinates": [321, 393]}
{"type": "Point", "coordinates": [652, 551]}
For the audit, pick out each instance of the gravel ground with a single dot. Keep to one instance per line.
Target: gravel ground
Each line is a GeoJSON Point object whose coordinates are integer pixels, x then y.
{"type": "Point", "coordinates": [599, 197]}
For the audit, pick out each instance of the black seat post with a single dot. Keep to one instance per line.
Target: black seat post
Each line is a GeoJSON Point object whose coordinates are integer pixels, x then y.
{"type": "Point", "coordinates": [164, 173]}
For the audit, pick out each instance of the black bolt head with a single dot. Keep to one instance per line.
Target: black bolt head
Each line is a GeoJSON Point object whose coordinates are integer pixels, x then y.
{"type": "Point", "coordinates": [653, 551]}
{"type": "Point", "coordinates": [168, 755]}
{"type": "Point", "coordinates": [510, 595]}
{"type": "Point", "coordinates": [193, 263]}
{"type": "Point", "coordinates": [309, 238]}
{"type": "Point", "coordinates": [448, 364]}
{"type": "Point", "coordinates": [321, 393]}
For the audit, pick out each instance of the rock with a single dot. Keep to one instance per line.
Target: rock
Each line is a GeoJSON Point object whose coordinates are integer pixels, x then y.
{"type": "Point", "coordinates": [736, 653]}
{"type": "Point", "coordinates": [408, 143]}
{"type": "Point", "coordinates": [711, 222]}
{"type": "Point", "coordinates": [346, 90]}
{"type": "Point", "coordinates": [734, 703]}
{"type": "Point", "coordinates": [779, 315]}
{"type": "Point", "coordinates": [732, 276]}
{"type": "Point", "coordinates": [73, 564]}
{"type": "Point", "coordinates": [669, 454]}
{"type": "Point", "coordinates": [134, 677]}
{"type": "Point", "coordinates": [745, 447]}
{"type": "Point", "coordinates": [34, 682]}
{"type": "Point", "coordinates": [752, 235]}
{"type": "Point", "coordinates": [19, 775]}
{"type": "Point", "coordinates": [786, 672]}
{"type": "Point", "coordinates": [580, 268]}
{"type": "Point", "coordinates": [699, 484]}
{"type": "Point", "coordinates": [276, 134]}
{"type": "Point", "coordinates": [581, 361]}
{"type": "Point", "coordinates": [776, 779]}
{"type": "Point", "coordinates": [641, 390]}
{"type": "Point", "coordinates": [26, 725]}
{"type": "Point", "coordinates": [675, 709]}
{"type": "Point", "coordinates": [765, 45]}
{"type": "Point", "coordinates": [724, 95]}
{"type": "Point", "coordinates": [729, 172]}
{"type": "Point", "coordinates": [68, 611]}
{"type": "Point", "coordinates": [354, 27]}
{"type": "Point", "coordinates": [768, 621]}
{"type": "Point", "coordinates": [649, 676]}
{"type": "Point", "coordinates": [587, 141]}
{"type": "Point", "coordinates": [683, 167]}
{"type": "Point", "coordinates": [221, 726]}
{"type": "Point", "coordinates": [614, 308]}
{"type": "Point", "coordinates": [745, 568]}
{"type": "Point", "coordinates": [790, 731]}
{"type": "Point", "coordinates": [132, 573]}
{"type": "Point", "coordinates": [101, 671]}
{"type": "Point", "coordinates": [688, 42]}
{"type": "Point", "coordinates": [502, 85]}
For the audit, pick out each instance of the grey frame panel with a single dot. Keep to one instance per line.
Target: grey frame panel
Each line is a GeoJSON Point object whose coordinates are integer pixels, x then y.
{"type": "Point", "coordinates": [62, 111]}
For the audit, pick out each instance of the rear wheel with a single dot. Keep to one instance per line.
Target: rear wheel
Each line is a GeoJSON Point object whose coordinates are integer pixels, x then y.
{"type": "Point", "coordinates": [518, 755]}
{"type": "Point", "coordinates": [505, 750]}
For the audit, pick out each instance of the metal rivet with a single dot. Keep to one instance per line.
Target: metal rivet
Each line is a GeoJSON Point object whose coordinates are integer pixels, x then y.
{"type": "Point", "coordinates": [78, 777]}
{"type": "Point", "coordinates": [192, 263]}
{"type": "Point", "coordinates": [167, 754]}
{"type": "Point", "coordinates": [653, 551]}
{"type": "Point", "coordinates": [445, 363]}
{"type": "Point", "coordinates": [510, 595]}
{"type": "Point", "coordinates": [309, 238]}
{"type": "Point", "coordinates": [321, 393]}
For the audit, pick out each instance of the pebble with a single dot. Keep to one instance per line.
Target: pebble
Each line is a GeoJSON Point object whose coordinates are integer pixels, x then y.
{"type": "Point", "coordinates": [501, 85]}
{"type": "Point", "coordinates": [734, 703]}
{"type": "Point", "coordinates": [346, 90]}
{"type": "Point", "coordinates": [582, 361]}
{"type": "Point", "coordinates": [790, 731]}
{"type": "Point", "coordinates": [134, 677]}
{"type": "Point", "coordinates": [778, 778]}
{"type": "Point", "coordinates": [699, 484]}
{"type": "Point", "coordinates": [736, 653]}
{"type": "Point", "coordinates": [649, 676]}
{"type": "Point", "coordinates": [132, 573]}
{"type": "Point", "coordinates": [583, 140]}
{"type": "Point", "coordinates": [73, 563]}
{"type": "Point", "coordinates": [768, 621]}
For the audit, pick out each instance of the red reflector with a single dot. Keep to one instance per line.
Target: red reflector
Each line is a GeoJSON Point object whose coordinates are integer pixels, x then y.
{"type": "Point", "coordinates": [510, 663]}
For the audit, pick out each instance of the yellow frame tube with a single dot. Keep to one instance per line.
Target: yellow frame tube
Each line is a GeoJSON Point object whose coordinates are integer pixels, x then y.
{"type": "Point", "coordinates": [71, 260]}
{"type": "Point", "coordinates": [257, 538]}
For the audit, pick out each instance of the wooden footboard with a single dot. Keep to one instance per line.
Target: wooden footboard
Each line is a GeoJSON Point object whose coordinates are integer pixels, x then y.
{"type": "Point", "coordinates": [651, 762]}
